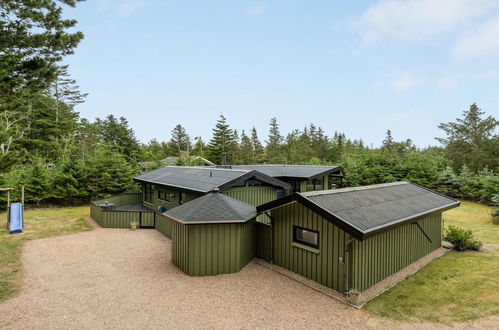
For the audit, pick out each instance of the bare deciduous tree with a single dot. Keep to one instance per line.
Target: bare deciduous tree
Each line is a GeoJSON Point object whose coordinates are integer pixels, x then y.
{"type": "Point", "coordinates": [13, 127]}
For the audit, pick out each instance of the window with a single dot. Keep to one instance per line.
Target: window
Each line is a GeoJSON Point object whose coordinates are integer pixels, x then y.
{"type": "Point", "coordinates": [305, 236]}
{"type": "Point", "coordinates": [281, 193]}
{"type": "Point", "coordinates": [163, 196]}
{"type": "Point", "coordinates": [318, 184]}
{"type": "Point", "coordinates": [295, 185]}
{"type": "Point", "coordinates": [148, 191]}
{"type": "Point", "coordinates": [166, 196]}
{"type": "Point", "coordinates": [310, 185]}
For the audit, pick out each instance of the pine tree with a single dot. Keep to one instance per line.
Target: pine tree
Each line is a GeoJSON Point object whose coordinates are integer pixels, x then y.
{"type": "Point", "coordinates": [199, 147]}
{"type": "Point", "coordinates": [118, 136]}
{"type": "Point", "coordinates": [274, 143]}
{"type": "Point", "coordinates": [180, 142]}
{"type": "Point", "coordinates": [35, 180]}
{"type": "Point", "coordinates": [66, 94]}
{"type": "Point", "coordinates": [223, 137]}
{"type": "Point", "coordinates": [68, 183]}
{"type": "Point", "coordinates": [234, 150]}
{"type": "Point", "coordinates": [471, 140]}
{"type": "Point", "coordinates": [337, 147]}
{"type": "Point", "coordinates": [246, 148]}
{"type": "Point", "coordinates": [35, 37]}
{"type": "Point", "coordinates": [388, 141]}
{"type": "Point", "coordinates": [258, 151]}
{"type": "Point", "coordinates": [108, 172]}
{"type": "Point", "coordinates": [291, 146]}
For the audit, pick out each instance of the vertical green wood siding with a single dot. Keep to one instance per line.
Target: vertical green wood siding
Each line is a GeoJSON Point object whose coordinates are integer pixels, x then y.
{"type": "Point", "coordinates": [180, 246]}
{"type": "Point", "coordinates": [382, 255]}
{"type": "Point", "coordinates": [163, 225]}
{"type": "Point", "coordinates": [323, 267]}
{"type": "Point", "coordinates": [147, 219]}
{"type": "Point", "coordinates": [120, 219]}
{"type": "Point", "coordinates": [263, 241]}
{"type": "Point", "coordinates": [113, 219]}
{"type": "Point", "coordinates": [201, 250]}
{"type": "Point", "coordinates": [254, 196]}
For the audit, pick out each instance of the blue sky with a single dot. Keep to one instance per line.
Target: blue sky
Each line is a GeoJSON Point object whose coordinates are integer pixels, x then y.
{"type": "Point", "coordinates": [359, 67]}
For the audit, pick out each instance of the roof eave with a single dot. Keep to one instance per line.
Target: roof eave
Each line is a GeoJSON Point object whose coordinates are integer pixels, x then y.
{"type": "Point", "coordinates": [173, 186]}
{"type": "Point", "coordinates": [207, 222]}
{"type": "Point", "coordinates": [258, 175]}
{"type": "Point", "coordinates": [297, 197]}
{"type": "Point", "coordinates": [355, 232]}
{"type": "Point", "coordinates": [327, 172]}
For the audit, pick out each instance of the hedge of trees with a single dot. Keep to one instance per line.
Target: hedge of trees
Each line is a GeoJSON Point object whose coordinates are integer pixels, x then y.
{"type": "Point", "coordinates": [62, 158]}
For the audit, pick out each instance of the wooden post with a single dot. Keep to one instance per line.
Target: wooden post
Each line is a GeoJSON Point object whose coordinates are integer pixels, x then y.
{"type": "Point", "coordinates": [22, 195]}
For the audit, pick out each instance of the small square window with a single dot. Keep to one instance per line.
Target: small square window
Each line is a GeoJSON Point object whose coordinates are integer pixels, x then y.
{"type": "Point", "coordinates": [306, 236]}
{"type": "Point", "coordinates": [166, 196]}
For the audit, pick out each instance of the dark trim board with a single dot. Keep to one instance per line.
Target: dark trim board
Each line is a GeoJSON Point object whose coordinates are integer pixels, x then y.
{"type": "Point", "coordinates": [296, 197]}
{"type": "Point", "coordinates": [344, 225]}
{"type": "Point", "coordinates": [227, 185]}
{"type": "Point", "coordinates": [256, 175]}
{"type": "Point", "coordinates": [170, 185]}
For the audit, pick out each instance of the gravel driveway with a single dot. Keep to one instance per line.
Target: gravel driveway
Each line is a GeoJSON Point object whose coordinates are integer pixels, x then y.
{"type": "Point", "coordinates": [118, 278]}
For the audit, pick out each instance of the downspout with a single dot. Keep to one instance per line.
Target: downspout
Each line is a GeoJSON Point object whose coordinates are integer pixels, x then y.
{"type": "Point", "coordinates": [348, 245]}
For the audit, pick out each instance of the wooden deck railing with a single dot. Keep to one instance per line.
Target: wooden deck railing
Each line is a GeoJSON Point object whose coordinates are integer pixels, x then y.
{"type": "Point", "coordinates": [121, 218]}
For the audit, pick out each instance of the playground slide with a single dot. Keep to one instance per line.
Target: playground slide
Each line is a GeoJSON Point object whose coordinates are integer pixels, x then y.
{"type": "Point", "coordinates": [16, 218]}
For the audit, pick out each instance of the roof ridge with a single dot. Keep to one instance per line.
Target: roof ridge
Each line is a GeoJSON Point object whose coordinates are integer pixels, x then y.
{"type": "Point", "coordinates": [227, 198]}
{"type": "Point", "coordinates": [350, 189]}
{"type": "Point", "coordinates": [211, 168]}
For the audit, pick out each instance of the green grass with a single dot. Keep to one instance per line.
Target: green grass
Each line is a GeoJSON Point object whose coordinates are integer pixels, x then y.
{"type": "Point", "coordinates": [475, 217]}
{"type": "Point", "coordinates": [458, 286]}
{"type": "Point", "coordinates": [38, 223]}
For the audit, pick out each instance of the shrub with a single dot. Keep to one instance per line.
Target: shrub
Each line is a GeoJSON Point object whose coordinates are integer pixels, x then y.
{"type": "Point", "coordinates": [462, 239]}
{"type": "Point", "coordinates": [495, 213]}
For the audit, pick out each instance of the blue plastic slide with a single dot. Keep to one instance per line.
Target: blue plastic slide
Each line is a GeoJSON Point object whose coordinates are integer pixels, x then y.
{"type": "Point", "coordinates": [16, 218]}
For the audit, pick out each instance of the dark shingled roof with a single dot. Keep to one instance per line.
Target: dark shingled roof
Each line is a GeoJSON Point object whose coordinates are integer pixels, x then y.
{"type": "Point", "coordinates": [204, 179]}
{"type": "Point", "coordinates": [308, 172]}
{"type": "Point", "coordinates": [214, 207]}
{"type": "Point", "coordinates": [363, 211]}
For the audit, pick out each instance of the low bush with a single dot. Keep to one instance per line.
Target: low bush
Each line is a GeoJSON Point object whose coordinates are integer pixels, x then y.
{"type": "Point", "coordinates": [495, 213]}
{"type": "Point", "coordinates": [462, 239]}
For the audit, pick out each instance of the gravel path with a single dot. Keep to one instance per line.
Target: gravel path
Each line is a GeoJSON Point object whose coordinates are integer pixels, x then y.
{"type": "Point", "coordinates": [118, 278]}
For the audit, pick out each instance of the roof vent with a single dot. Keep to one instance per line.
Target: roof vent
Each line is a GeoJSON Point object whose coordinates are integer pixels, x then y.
{"type": "Point", "coordinates": [211, 174]}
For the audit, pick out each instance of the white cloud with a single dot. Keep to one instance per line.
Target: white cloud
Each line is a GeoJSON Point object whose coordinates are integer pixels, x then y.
{"type": "Point", "coordinates": [447, 83]}
{"type": "Point", "coordinates": [403, 83]}
{"type": "Point", "coordinates": [417, 19]}
{"type": "Point", "coordinates": [482, 43]}
{"type": "Point", "coordinates": [256, 10]}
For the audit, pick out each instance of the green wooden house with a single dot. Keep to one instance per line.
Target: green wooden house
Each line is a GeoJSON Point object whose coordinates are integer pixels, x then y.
{"type": "Point", "coordinates": [213, 234]}
{"type": "Point", "coordinates": [302, 178]}
{"type": "Point", "coordinates": [171, 186]}
{"type": "Point", "coordinates": [352, 238]}
{"type": "Point", "coordinates": [347, 239]}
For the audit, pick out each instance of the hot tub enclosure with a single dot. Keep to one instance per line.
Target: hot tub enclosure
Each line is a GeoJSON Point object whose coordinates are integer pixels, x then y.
{"type": "Point", "coordinates": [213, 234]}
{"type": "Point", "coordinates": [352, 238]}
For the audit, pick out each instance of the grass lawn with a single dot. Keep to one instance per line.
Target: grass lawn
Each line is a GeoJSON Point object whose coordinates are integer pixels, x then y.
{"type": "Point", "coordinates": [475, 217]}
{"type": "Point", "coordinates": [38, 223]}
{"type": "Point", "coordinates": [456, 287]}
